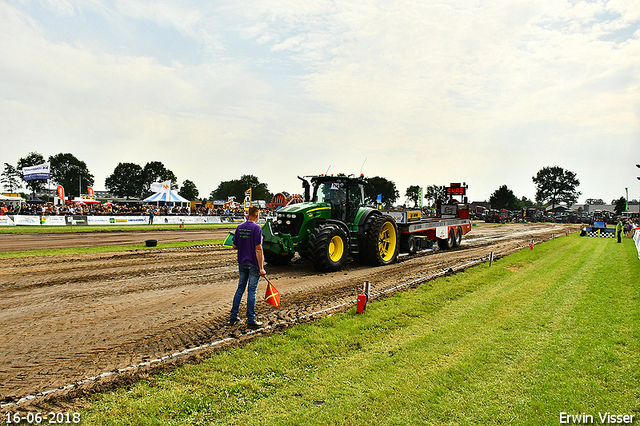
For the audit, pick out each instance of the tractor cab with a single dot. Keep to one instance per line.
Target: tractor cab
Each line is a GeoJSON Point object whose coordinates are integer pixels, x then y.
{"type": "Point", "coordinates": [344, 193]}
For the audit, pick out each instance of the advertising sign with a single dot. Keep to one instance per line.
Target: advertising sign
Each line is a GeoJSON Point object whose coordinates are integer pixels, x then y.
{"type": "Point", "coordinates": [41, 171]}
{"type": "Point", "coordinates": [117, 220]}
{"type": "Point", "coordinates": [61, 193]}
{"type": "Point", "coordinates": [26, 220]}
{"type": "Point", "coordinates": [53, 221]}
{"type": "Point", "coordinates": [75, 220]}
{"type": "Point", "coordinates": [5, 220]}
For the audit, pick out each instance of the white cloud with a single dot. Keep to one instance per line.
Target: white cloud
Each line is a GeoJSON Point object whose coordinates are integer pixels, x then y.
{"type": "Point", "coordinates": [428, 92]}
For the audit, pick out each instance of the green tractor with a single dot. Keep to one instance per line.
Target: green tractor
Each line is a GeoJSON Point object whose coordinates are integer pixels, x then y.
{"type": "Point", "coordinates": [332, 223]}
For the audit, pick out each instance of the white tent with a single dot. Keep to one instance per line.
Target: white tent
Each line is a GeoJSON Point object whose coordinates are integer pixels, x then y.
{"type": "Point", "coordinates": [7, 199]}
{"type": "Point", "coordinates": [170, 197]}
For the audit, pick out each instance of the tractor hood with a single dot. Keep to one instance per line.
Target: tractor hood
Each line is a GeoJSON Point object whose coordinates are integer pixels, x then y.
{"type": "Point", "coordinates": [304, 207]}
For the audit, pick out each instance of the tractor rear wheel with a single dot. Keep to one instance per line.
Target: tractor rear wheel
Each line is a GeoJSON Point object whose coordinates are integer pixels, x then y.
{"type": "Point", "coordinates": [328, 248]}
{"type": "Point", "coordinates": [382, 241]}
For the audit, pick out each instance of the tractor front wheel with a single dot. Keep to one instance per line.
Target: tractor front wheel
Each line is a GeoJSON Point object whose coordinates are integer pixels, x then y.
{"type": "Point", "coordinates": [328, 248]}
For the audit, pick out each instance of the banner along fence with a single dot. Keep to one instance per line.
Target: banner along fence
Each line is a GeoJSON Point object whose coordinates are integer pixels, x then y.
{"type": "Point", "coordinates": [78, 220]}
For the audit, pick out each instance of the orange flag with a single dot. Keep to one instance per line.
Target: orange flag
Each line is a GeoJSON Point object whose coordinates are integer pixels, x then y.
{"type": "Point", "coordinates": [272, 296]}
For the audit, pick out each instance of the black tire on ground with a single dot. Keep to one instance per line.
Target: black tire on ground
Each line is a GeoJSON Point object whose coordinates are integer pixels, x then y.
{"type": "Point", "coordinates": [458, 239]}
{"type": "Point", "coordinates": [328, 248]}
{"type": "Point", "coordinates": [408, 245]}
{"type": "Point", "coordinates": [381, 241]}
{"type": "Point", "coordinates": [448, 243]}
{"type": "Point", "coordinates": [277, 259]}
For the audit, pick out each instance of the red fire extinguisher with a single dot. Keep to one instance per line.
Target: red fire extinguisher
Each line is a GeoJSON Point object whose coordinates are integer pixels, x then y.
{"type": "Point", "coordinates": [362, 303]}
{"type": "Point", "coordinates": [363, 297]}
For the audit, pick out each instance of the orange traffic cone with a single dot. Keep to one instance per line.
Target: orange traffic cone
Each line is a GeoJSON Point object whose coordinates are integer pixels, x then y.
{"type": "Point", "coordinates": [272, 296]}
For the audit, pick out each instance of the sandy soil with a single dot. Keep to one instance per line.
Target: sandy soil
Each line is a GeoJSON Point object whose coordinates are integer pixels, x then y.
{"type": "Point", "coordinates": [66, 318]}
{"type": "Point", "coordinates": [17, 242]}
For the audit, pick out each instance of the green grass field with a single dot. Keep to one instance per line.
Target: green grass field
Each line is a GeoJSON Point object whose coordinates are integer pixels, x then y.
{"type": "Point", "coordinates": [539, 333]}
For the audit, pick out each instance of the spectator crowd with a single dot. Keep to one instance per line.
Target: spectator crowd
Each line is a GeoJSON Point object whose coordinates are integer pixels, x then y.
{"type": "Point", "coordinates": [110, 209]}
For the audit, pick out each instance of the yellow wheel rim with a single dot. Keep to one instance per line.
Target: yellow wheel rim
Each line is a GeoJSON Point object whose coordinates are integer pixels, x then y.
{"type": "Point", "coordinates": [336, 249]}
{"type": "Point", "coordinates": [387, 241]}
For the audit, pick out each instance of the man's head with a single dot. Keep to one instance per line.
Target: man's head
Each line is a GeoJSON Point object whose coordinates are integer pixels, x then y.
{"type": "Point", "coordinates": [254, 211]}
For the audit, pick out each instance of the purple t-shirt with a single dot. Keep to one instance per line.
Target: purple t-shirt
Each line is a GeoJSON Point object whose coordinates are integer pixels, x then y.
{"type": "Point", "coordinates": [248, 235]}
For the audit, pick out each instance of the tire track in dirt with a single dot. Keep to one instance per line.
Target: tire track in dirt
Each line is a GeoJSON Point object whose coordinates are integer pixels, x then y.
{"type": "Point", "coordinates": [55, 240]}
{"type": "Point", "coordinates": [66, 318]}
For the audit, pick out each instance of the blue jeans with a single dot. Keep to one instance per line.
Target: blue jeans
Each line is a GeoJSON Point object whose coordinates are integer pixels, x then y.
{"type": "Point", "coordinates": [250, 274]}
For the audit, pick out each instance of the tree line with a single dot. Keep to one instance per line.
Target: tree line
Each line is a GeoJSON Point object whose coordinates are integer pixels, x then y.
{"type": "Point", "coordinates": [554, 185]}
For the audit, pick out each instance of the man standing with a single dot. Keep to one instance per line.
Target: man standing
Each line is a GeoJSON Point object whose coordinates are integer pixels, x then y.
{"type": "Point", "coordinates": [248, 241]}
{"type": "Point", "coordinates": [619, 228]}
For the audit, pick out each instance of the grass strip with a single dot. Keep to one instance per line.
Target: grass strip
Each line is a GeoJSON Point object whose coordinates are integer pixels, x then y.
{"type": "Point", "coordinates": [542, 332]}
{"type": "Point", "coordinates": [104, 249]}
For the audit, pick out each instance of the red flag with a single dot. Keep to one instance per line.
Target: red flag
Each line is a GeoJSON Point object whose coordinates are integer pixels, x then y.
{"type": "Point", "coordinates": [272, 296]}
{"type": "Point", "coordinates": [90, 191]}
{"type": "Point", "coordinates": [61, 192]}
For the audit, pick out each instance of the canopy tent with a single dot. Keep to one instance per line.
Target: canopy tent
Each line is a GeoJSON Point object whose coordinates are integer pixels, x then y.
{"type": "Point", "coordinates": [36, 200]}
{"type": "Point", "coordinates": [171, 197]}
{"type": "Point", "coordinates": [9, 199]}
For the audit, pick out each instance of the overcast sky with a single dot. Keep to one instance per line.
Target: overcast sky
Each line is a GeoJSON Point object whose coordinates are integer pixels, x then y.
{"type": "Point", "coordinates": [424, 92]}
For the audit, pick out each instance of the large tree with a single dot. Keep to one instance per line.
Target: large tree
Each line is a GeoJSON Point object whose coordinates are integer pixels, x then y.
{"type": "Point", "coordinates": [504, 198]}
{"type": "Point", "coordinates": [32, 159]}
{"type": "Point", "coordinates": [433, 192]}
{"type": "Point", "coordinates": [556, 185]}
{"type": "Point", "coordinates": [620, 205]}
{"type": "Point", "coordinates": [413, 193]}
{"type": "Point", "coordinates": [189, 190]}
{"type": "Point", "coordinates": [155, 171]}
{"type": "Point", "coordinates": [237, 187]}
{"type": "Point", "coordinates": [525, 202]}
{"type": "Point", "coordinates": [126, 181]}
{"type": "Point", "coordinates": [71, 173]}
{"type": "Point", "coordinates": [11, 178]}
{"type": "Point", "coordinates": [378, 185]}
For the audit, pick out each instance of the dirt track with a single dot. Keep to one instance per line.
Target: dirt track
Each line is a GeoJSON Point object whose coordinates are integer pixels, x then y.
{"type": "Point", "coordinates": [66, 318]}
{"type": "Point", "coordinates": [17, 242]}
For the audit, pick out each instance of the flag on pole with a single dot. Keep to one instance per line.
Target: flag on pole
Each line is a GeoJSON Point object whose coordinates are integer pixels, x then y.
{"type": "Point", "coordinates": [626, 205]}
{"type": "Point", "coordinates": [272, 296]}
{"type": "Point", "coordinates": [41, 171]}
{"type": "Point", "coordinates": [247, 199]}
{"type": "Point", "coordinates": [61, 193]}
{"type": "Point", "coordinates": [90, 191]}
{"type": "Point", "coordinates": [228, 242]}
{"type": "Point", "coordinates": [164, 187]}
